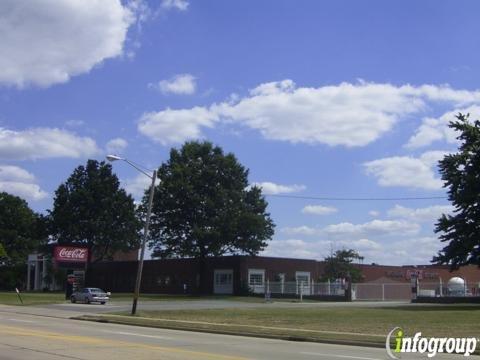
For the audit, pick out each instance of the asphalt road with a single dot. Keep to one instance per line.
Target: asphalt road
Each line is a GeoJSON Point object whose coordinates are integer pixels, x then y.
{"type": "Point", "coordinates": [26, 336]}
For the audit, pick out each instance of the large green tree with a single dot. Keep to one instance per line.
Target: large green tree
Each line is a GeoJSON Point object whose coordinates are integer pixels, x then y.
{"type": "Point", "coordinates": [461, 175]}
{"type": "Point", "coordinates": [21, 232]}
{"type": "Point", "coordinates": [340, 265]}
{"type": "Point", "coordinates": [91, 209]}
{"type": "Point", "coordinates": [204, 207]}
{"type": "Point", "coordinates": [20, 229]}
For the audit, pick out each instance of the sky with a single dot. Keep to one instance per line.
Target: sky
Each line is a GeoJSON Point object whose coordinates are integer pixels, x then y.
{"type": "Point", "coordinates": [318, 99]}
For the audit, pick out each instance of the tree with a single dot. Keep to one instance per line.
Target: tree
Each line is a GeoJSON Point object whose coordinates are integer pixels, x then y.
{"type": "Point", "coordinates": [3, 254]}
{"type": "Point", "coordinates": [19, 229]}
{"type": "Point", "coordinates": [203, 206]}
{"type": "Point", "coordinates": [90, 209]}
{"type": "Point", "coordinates": [461, 175]}
{"type": "Point", "coordinates": [20, 234]}
{"type": "Point", "coordinates": [340, 266]}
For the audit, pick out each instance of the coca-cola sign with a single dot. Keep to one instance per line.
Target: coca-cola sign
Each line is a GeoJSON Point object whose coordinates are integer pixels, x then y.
{"type": "Point", "coordinates": [70, 254]}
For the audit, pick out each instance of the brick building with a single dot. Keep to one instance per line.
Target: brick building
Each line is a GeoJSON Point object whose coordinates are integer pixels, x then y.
{"type": "Point", "coordinates": [236, 274]}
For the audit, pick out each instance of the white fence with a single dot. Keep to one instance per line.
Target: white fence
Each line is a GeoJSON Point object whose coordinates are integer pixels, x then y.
{"type": "Point", "coordinates": [364, 291]}
{"type": "Point", "coordinates": [298, 288]}
{"type": "Point", "coordinates": [403, 291]}
{"type": "Point", "coordinates": [439, 289]}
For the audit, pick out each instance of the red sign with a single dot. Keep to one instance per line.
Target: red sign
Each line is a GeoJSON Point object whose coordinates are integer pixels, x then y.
{"type": "Point", "coordinates": [70, 254]}
{"type": "Point", "coordinates": [414, 274]}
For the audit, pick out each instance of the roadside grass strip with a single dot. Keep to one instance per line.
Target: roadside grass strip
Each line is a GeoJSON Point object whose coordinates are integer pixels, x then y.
{"type": "Point", "coordinates": [42, 298]}
{"type": "Point", "coordinates": [31, 298]}
{"type": "Point", "coordinates": [285, 333]}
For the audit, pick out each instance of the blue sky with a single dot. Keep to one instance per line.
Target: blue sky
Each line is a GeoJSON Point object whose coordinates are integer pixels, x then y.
{"type": "Point", "coordinates": [344, 99]}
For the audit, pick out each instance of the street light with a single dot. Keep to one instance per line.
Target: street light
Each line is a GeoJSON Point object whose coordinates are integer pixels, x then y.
{"type": "Point", "coordinates": [138, 281]}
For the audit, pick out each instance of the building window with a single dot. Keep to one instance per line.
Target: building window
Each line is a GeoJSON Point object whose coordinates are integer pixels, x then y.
{"type": "Point", "coordinates": [223, 278]}
{"type": "Point", "coordinates": [256, 279]}
{"type": "Point", "coordinates": [302, 277]}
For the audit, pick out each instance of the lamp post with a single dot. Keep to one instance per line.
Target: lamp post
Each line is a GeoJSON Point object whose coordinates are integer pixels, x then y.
{"type": "Point", "coordinates": [138, 280]}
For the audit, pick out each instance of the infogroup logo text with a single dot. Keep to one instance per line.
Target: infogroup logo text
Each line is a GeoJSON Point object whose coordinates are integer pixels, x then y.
{"type": "Point", "coordinates": [431, 346]}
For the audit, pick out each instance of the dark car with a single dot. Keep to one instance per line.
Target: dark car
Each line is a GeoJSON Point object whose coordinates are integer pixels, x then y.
{"type": "Point", "coordinates": [89, 295]}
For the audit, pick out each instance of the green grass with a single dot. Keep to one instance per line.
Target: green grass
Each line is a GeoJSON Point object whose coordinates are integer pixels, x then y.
{"type": "Point", "coordinates": [348, 324]}
{"type": "Point", "coordinates": [39, 298]}
{"type": "Point", "coordinates": [31, 298]}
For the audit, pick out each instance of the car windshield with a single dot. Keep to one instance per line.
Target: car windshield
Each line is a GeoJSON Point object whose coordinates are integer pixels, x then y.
{"type": "Point", "coordinates": [96, 290]}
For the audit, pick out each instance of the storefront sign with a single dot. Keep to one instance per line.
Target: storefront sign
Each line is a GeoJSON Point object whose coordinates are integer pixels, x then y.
{"type": "Point", "coordinates": [418, 274]}
{"type": "Point", "coordinates": [70, 254]}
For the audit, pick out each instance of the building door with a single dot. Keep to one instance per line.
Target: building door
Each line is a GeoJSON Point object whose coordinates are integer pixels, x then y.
{"type": "Point", "coordinates": [223, 281]}
{"type": "Point", "coordinates": [303, 282]}
{"type": "Point", "coordinates": [256, 280]}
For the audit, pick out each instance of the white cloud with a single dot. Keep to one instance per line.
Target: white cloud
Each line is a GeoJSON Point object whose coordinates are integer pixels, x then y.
{"type": "Point", "coordinates": [17, 181]}
{"type": "Point", "coordinates": [296, 248]}
{"type": "Point", "coordinates": [116, 146]}
{"type": "Point", "coordinates": [41, 143]}
{"type": "Point", "coordinates": [415, 250]}
{"type": "Point", "coordinates": [346, 114]}
{"type": "Point", "coordinates": [137, 185]}
{"type": "Point", "coordinates": [181, 5]}
{"type": "Point", "coordinates": [46, 42]}
{"type": "Point", "coordinates": [407, 171]}
{"type": "Point", "coordinates": [363, 244]}
{"type": "Point", "coordinates": [176, 126]}
{"type": "Point", "coordinates": [436, 129]}
{"type": "Point", "coordinates": [318, 249]}
{"type": "Point", "coordinates": [270, 188]}
{"type": "Point", "coordinates": [74, 123]}
{"type": "Point", "coordinates": [302, 230]}
{"type": "Point", "coordinates": [374, 228]}
{"type": "Point", "coordinates": [182, 84]}
{"type": "Point", "coordinates": [319, 210]}
{"type": "Point", "coordinates": [374, 213]}
{"type": "Point", "coordinates": [427, 214]}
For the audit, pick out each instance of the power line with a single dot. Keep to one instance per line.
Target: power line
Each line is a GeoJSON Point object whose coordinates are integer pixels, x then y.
{"type": "Point", "coordinates": [356, 199]}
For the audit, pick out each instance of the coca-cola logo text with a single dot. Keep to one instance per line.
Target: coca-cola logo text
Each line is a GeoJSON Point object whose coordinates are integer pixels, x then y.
{"type": "Point", "coordinates": [71, 254]}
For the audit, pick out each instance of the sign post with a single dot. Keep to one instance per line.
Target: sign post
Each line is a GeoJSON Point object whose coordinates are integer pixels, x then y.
{"type": "Point", "coordinates": [18, 294]}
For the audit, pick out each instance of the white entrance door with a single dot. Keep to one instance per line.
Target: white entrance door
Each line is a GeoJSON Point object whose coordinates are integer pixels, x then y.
{"type": "Point", "coordinates": [256, 280]}
{"type": "Point", "coordinates": [303, 282]}
{"type": "Point", "coordinates": [223, 281]}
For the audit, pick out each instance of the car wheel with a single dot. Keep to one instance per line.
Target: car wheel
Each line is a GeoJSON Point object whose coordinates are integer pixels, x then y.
{"type": "Point", "coordinates": [73, 300]}
{"type": "Point", "coordinates": [87, 301]}
{"type": "Point", "coordinates": [103, 302]}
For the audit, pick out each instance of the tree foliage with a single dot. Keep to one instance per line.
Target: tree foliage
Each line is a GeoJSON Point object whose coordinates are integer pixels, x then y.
{"type": "Point", "coordinates": [203, 206]}
{"type": "Point", "coordinates": [3, 253]}
{"type": "Point", "coordinates": [461, 175]}
{"type": "Point", "coordinates": [20, 229]}
{"type": "Point", "coordinates": [340, 266]}
{"type": "Point", "coordinates": [91, 209]}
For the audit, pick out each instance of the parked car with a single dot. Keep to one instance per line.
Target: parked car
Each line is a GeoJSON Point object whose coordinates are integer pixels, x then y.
{"type": "Point", "coordinates": [89, 295]}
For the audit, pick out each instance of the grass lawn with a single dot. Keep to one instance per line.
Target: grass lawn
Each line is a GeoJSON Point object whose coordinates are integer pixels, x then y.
{"type": "Point", "coordinates": [31, 298]}
{"type": "Point", "coordinates": [38, 298]}
{"type": "Point", "coordinates": [361, 325]}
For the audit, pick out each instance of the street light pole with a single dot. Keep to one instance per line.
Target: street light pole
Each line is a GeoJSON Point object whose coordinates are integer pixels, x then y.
{"type": "Point", "coordinates": [138, 280]}
{"type": "Point", "coordinates": [144, 241]}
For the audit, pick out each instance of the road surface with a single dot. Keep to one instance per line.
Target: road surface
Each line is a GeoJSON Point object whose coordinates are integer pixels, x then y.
{"type": "Point", "coordinates": [27, 336]}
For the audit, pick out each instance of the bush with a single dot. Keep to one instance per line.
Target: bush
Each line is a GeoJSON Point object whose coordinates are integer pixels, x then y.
{"type": "Point", "coordinates": [13, 276]}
